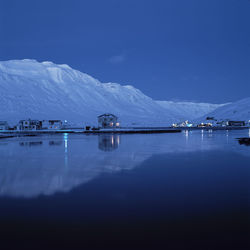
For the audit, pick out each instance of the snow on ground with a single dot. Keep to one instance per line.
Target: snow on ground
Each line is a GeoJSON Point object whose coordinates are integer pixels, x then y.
{"type": "Point", "coordinates": [30, 89]}
{"type": "Point", "coordinates": [239, 110]}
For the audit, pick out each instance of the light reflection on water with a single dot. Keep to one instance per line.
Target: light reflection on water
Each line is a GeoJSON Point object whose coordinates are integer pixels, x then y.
{"type": "Point", "coordinates": [188, 190]}
{"type": "Point", "coordinates": [107, 142]}
{"type": "Point", "coordinates": [47, 164]}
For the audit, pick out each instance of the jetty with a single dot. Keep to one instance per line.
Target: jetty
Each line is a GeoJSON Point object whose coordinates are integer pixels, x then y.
{"type": "Point", "coordinates": [215, 128]}
{"type": "Point", "coordinates": [11, 133]}
{"type": "Point", "coordinates": [6, 136]}
{"type": "Point", "coordinates": [140, 130]}
{"type": "Point", "coordinates": [244, 140]}
{"type": "Point", "coordinates": [120, 130]}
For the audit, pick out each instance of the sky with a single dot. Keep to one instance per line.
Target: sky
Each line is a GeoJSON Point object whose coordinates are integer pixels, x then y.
{"type": "Point", "coordinates": [192, 50]}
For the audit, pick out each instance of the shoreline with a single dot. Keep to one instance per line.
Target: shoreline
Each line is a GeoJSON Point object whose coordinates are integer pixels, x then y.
{"type": "Point", "coordinates": [127, 130]}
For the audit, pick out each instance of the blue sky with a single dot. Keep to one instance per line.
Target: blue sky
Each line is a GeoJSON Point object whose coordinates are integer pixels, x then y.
{"type": "Point", "coordinates": [171, 49]}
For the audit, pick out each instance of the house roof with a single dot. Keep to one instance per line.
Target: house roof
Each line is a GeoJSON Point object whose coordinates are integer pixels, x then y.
{"type": "Point", "coordinates": [107, 114]}
{"type": "Point", "coordinates": [51, 121]}
{"type": "Point", "coordinates": [3, 123]}
{"type": "Point", "coordinates": [236, 121]}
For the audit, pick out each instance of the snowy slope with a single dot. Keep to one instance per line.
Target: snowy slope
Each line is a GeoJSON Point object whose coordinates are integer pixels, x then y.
{"type": "Point", "coordinates": [239, 110]}
{"type": "Point", "coordinates": [29, 89]}
{"type": "Point", "coordinates": [189, 110]}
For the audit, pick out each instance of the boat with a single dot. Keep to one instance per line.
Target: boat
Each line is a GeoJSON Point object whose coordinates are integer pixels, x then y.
{"type": "Point", "coordinates": [244, 140]}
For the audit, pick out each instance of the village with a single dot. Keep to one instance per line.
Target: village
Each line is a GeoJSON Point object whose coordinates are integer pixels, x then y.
{"type": "Point", "coordinates": [104, 121]}
{"type": "Point", "coordinates": [211, 122]}
{"type": "Point", "coordinates": [108, 123]}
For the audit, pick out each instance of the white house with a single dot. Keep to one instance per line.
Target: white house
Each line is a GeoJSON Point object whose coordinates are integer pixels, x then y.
{"type": "Point", "coordinates": [52, 124]}
{"type": "Point", "coordinates": [29, 125]}
{"type": "Point", "coordinates": [108, 121]}
{"type": "Point", "coordinates": [4, 125]}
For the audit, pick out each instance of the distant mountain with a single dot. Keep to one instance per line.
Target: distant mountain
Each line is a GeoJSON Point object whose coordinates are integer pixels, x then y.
{"type": "Point", "coordinates": [30, 89]}
{"type": "Point", "coordinates": [189, 110]}
{"type": "Point", "coordinates": [239, 110]}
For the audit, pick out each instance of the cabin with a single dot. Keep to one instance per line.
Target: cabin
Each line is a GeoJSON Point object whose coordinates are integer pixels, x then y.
{"type": "Point", "coordinates": [236, 123]}
{"type": "Point", "coordinates": [52, 124]}
{"type": "Point", "coordinates": [108, 121]}
{"type": "Point", "coordinates": [182, 124]}
{"type": "Point", "coordinates": [29, 125]}
{"type": "Point", "coordinates": [4, 125]}
{"type": "Point", "coordinates": [205, 125]}
{"type": "Point", "coordinates": [210, 118]}
{"type": "Point", "coordinates": [221, 123]}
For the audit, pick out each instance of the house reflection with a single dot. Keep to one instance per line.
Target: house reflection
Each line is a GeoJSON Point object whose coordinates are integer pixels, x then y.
{"type": "Point", "coordinates": [31, 144]}
{"type": "Point", "coordinates": [55, 143]}
{"type": "Point", "coordinates": [108, 142]}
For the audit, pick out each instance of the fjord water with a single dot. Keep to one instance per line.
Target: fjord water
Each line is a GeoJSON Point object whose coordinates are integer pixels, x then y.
{"type": "Point", "coordinates": [183, 191]}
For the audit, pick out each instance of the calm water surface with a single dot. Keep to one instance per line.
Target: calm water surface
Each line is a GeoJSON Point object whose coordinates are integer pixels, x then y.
{"type": "Point", "coordinates": [188, 190]}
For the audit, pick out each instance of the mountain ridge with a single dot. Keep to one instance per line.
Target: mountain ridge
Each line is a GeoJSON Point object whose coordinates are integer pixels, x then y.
{"type": "Point", "coordinates": [44, 90]}
{"type": "Point", "coordinates": [239, 110]}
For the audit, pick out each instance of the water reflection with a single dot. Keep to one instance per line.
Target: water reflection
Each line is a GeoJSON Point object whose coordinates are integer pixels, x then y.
{"type": "Point", "coordinates": [39, 143]}
{"type": "Point", "coordinates": [57, 163]}
{"type": "Point", "coordinates": [55, 143]}
{"type": "Point", "coordinates": [108, 142]}
{"type": "Point", "coordinates": [65, 138]}
{"type": "Point", "coordinates": [30, 144]}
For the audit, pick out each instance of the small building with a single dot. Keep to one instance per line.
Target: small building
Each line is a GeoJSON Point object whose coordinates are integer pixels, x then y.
{"type": "Point", "coordinates": [182, 124]}
{"type": "Point", "coordinates": [236, 123]}
{"type": "Point", "coordinates": [205, 125]}
{"type": "Point", "coordinates": [52, 124]}
{"type": "Point", "coordinates": [210, 118]}
{"type": "Point", "coordinates": [4, 125]}
{"type": "Point", "coordinates": [29, 125]}
{"type": "Point", "coordinates": [221, 123]}
{"type": "Point", "coordinates": [108, 121]}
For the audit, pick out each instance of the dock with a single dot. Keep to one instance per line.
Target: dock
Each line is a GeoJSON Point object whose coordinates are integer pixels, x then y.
{"type": "Point", "coordinates": [6, 136]}
{"type": "Point", "coordinates": [133, 131]}
{"type": "Point", "coordinates": [11, 133]}
{"type": "Point", "coordinates": [244, 140]}
{"type": "Point", "coordinates": [121, 130]}
{"type": "Point", "coordinates": [214, 128]}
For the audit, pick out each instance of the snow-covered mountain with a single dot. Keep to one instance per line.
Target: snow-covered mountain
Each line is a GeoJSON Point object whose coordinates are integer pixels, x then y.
{"type": "Point", "coordinates": [239, 110]}
{"type": "Point", "coordinates": [30, 89]}
{"type": "Point", "coordinates": [189, 110]}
